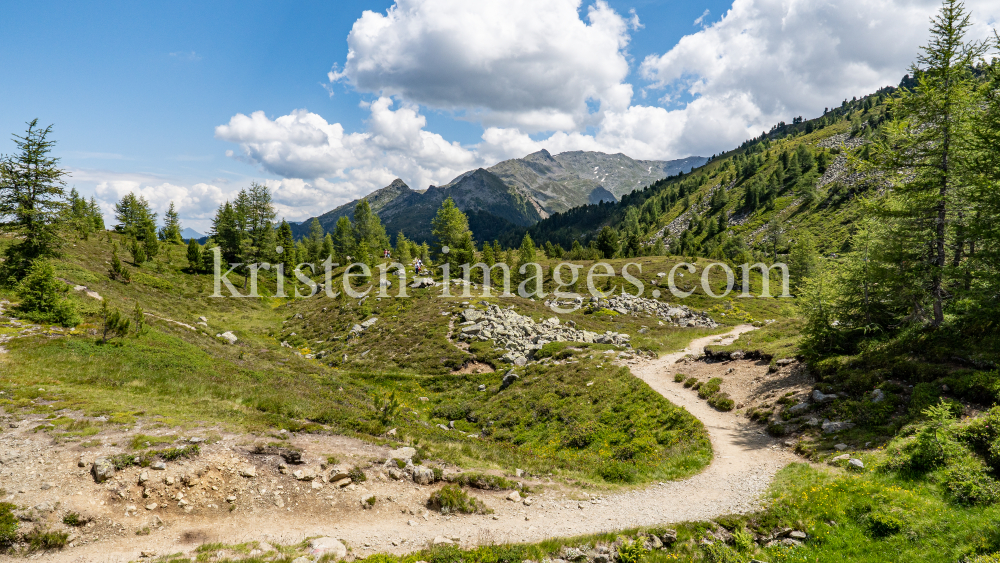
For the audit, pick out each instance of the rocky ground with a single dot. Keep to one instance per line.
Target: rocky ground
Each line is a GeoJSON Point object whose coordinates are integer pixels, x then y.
{"type": "Point", "coordinates": [521, 336]}
{"type": "Point", "coordinates": [241, 488]}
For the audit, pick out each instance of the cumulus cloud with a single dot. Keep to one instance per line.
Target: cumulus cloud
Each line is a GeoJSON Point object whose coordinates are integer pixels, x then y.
{"type": "Point", "coordinates": [525, 67]}
{"type": "Point", "coordinates": [770, 60]}
{"type": "Point", "coordinates": [304, 145]}
{"type": "Point", "coordinates": [523, 63]}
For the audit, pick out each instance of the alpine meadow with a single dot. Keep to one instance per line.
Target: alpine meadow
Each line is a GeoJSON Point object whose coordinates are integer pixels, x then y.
{"type": "Point", "coordinates": [572, 339]}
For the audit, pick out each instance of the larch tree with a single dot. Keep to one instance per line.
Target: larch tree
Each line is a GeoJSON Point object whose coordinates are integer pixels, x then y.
{"type": "Point", "coordinates": [31, 200]}
{"type": "Point", "coordinates": [919, 154]}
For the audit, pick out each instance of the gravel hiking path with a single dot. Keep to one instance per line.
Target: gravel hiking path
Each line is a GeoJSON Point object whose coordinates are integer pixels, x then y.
{"type": "Point", "coordinates": [745, 461]}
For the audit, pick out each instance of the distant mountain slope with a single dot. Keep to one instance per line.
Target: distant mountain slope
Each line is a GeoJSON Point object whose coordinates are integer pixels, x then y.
{"type": "Point", "coordinates": [572, 179]}
{"type": "Point", "coordinates": [723, 208]}
{"type": "Point", "coordinates": [403, 209]}
{"type": "Point", "coordinates": [514, 193]}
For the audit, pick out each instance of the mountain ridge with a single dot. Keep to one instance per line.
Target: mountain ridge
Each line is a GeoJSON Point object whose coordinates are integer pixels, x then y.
{"type": "Point", "coordinates": [513, 193]}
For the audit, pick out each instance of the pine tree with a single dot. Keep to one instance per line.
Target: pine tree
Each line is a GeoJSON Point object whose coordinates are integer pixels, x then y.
{"type": "Point", "coordinates": [368, 227]}
{"type": "Point", "coordinates": [314, 242]}
{"type": "Point", "coordinates": [450, 228]}
{"type": "Point", "coordinates": [920, 153]}
{"type": "Point", "coordinates": [194, 255]}
{"type": "Point", "coordinates": [95, 214]}
{"type": "Point", "coordinates": [343, 239]}
{"type": "Point", "coordinates": [607, 242]}
{"type": "Point", "coordinates": [803, 260]}
{"type": "Point", "coordinates": [403, 255]}
{"type": "Point", "coordinates": [42, 298]}
{"type": "Point", "coordinates": [171, 230]}
{"type": "Point", "coordinates": [326, 249]}
{"type": "Point", "coordinates": [114, 324]}
{"type": "Point", "coordinates": [227, 235]}
{"type": "Point", "coordinates": [983, 177]}
{"type": "Point", "coordinates": [31, 201]}
{"type": "Point", "coordinates": [285, 242]}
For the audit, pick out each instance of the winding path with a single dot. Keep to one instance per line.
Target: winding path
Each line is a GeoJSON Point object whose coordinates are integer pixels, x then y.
{"type": "Point", "coordinates": [745, 462]}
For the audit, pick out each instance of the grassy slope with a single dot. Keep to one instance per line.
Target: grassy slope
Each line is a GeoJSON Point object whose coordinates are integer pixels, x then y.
{"type": "Point", "coordinates": [620, 429]}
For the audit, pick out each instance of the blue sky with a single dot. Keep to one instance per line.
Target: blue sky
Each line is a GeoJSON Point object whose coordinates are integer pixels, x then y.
{"type": "Point", "coordinates": [137, 91]}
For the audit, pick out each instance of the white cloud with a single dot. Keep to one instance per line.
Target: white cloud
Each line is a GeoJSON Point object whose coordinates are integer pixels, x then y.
{"type": "Point", "coordinates": [525, 67]}
{"type": "Point", "coordinates": [702, 17]}
{"type": "Point", "coordinates": [523, 63]}
{"type": "Point", "coordinates": [770, 60]}
{"type": "Point", "coordinates": [304, 145]}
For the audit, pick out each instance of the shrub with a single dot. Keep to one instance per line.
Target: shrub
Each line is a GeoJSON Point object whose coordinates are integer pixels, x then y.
{"type": "Point", "coordinates": [452, 498]}
{"type": "Point", "coordinates": [969, 483]}
{"type": "Point", "coordinates": [582, 435]}
{"type": "Point", "coordinates": [484, 481]}
{"type": "Point", "coordinates": [722, 402]}
{"type": "Point", "coordinates": [743, 541]}
{"type": "Point", "coordinates": [74, 519]}
{"type": "Point", "coordinates": [721, 553]}
{"type": "Point", "coordinates": [690, 382]}
{"type": "Point", "coordinates": [632, 552]}
{"type": "Point", "coordinates": [710, 388]}
{"type": "Point", "coordinates": [8, 524]}
{"type": "Point", "coordinates": [881, 525]}
{"type": "Point", "coordinates": [679, 377]}
{"type": "Point", "coordinates": [41, 297]}
{"type": "Point", "coordinates": [357, 475]}
{"type": "Point", "coordinates": [44, 539]}
{"type": "Point", "coordinates": [614, 471]}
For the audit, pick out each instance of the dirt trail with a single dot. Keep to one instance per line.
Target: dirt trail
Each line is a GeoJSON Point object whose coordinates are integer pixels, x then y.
{"type": "Point", "coordinates": [745, 462]}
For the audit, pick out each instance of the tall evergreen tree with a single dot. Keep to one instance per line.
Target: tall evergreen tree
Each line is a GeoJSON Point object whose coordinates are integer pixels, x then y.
{"type": "Point", "coordinates": [368, 227]}
{"type": "Point", "coordinates": [919, 155]}
{"type": "Point", "coordinates": [286, 242]}
{"type": "Point", "coordinates": [171, 230]}
{"type": "Point", "coordinates": [31, 200]}
{"type": "Point", "coordinates": [450, 228]}
{"type": "Point", "coordinates": [343, 239]}
{"type": "Point", "coordinates": [194, 255]}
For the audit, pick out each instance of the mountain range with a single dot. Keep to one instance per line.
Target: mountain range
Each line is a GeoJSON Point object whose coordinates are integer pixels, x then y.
{"type": "Point", "coordinates": [514, 193]}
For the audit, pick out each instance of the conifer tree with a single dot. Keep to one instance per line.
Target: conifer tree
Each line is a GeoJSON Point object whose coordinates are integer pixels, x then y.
{"type": "Point", "coordinates": [920, 154]}
{"type": "Point", "coordinates": [286, 243]}
{"type": "Point", "coordinates": [194, 255]}
{"type": "Point", "coordinates": [31, 201]}
{"type": "Point", "coordinates": [343, 239]}
{"type": "Point", "coordinates": [42, 297]}
{"type": "Point", "coordinates": [171, 230]}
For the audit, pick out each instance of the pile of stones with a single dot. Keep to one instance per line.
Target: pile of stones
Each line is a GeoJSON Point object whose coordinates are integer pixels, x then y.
{"type": "Point", "coordinates": [633, 305]}
{"type": "Point", "coordinates": [521, 336]}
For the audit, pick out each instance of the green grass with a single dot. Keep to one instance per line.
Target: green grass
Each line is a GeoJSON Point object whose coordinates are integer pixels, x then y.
{"type": "Point", "coordinates": [452, 499]}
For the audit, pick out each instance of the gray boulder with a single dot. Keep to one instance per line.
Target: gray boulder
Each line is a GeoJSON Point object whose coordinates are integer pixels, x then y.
{"type": "Point", "coordinates": [508, 379]}
{"type": "Point", "coordinates": [228, 336]}
{"type": "Point", "coordinates": [820, 397]}
{"type": "Point", "coordinates": [327, 546]}
{"type": "Point", "coordinates": [102, 470]}
{"type": "Point", "coordinates": [423, 475]}
{"type": "Point", "coordinates": [831, 427]}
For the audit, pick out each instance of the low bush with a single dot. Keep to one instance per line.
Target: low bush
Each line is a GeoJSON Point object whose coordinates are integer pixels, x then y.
{"type": "Point", "coordinates": [679, 377]}
{"type": "Point", "coordinates": [484, 481]}
{"type": "Point", "coordinates": [453, 499]}
{"type": "Point", "coordinates": [43, 539]}
{"type": "Point", "coordinates": [722, 402]}
{"type": "Point", "coordinates": [632, 552]}
{"type": "Point", "coordinates": [882, 525]}
{"type": "Point", "coordinates": [74, 519]}
{"type": "Point", "coordinates": [968, 482]}
{"type": "Point", "coordinates": [357, 475]}
{"type": "Point", "coordinates": [690, 382]}
{"type": "Point", "coordinates": [8, 525]}
{"type": "Point", "coordinates": [709, 388]}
